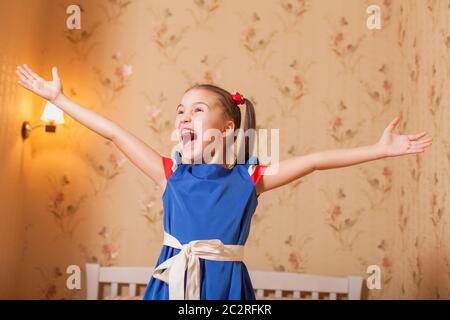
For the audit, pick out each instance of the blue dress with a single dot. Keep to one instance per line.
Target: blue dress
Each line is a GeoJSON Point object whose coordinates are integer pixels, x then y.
{"type": "Point", "coordinates": [209, 201]}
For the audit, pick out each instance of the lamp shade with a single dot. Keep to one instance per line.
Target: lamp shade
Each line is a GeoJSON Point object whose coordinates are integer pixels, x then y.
{"type": "Point", "coordinates": [52, 113]}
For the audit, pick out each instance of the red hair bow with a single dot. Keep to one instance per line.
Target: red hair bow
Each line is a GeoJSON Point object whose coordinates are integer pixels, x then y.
{"type": "Point", "coordinates": [238, 98]}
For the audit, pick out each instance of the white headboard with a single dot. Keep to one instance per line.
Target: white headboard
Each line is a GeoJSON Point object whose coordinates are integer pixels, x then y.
{"type": "Point", "coordinates": [267, 284]}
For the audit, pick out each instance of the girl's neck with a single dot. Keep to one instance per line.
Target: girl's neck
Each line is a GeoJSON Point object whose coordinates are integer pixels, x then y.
{"type": "Point", "coordinates": [215, 160]}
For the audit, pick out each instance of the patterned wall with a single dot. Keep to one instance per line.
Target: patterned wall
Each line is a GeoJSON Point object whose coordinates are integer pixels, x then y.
{"type": "Point", "coordinates": [314, 70]}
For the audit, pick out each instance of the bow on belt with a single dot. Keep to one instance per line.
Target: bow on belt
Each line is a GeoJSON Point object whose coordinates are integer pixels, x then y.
{"type": "Point", "coordinates": [172, 271]}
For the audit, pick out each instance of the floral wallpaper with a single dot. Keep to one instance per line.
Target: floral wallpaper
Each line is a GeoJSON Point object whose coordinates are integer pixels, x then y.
{"type": "Point", "coordinates": [313, 69]}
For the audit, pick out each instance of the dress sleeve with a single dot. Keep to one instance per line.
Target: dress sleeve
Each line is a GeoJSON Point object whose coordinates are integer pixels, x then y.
{"type": "Point", "coordinates": [171, 164]}
{"type": "Point", "coordinates": [167, 164]}
{"type": "Point", "coordinates": [255, 170]}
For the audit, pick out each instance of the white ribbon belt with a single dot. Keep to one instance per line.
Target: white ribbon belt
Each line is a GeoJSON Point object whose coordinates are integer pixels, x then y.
{"type": "Point", "coordinates": [188, 258]}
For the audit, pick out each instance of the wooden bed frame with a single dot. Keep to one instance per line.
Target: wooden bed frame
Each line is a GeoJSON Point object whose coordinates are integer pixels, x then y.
{"type": "Point", "coordinates": [269, 285]}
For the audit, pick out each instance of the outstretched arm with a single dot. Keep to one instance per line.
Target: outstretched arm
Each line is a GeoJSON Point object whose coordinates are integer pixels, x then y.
{"type": "Point", "coordinates": [139, 153]}
{"type": "Point", "coordinates": [389, 145]}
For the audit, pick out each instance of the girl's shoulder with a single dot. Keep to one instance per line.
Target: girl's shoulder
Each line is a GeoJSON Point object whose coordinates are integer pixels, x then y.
{"type": "Point", "coordinates": [170, 164]}
{"type": "Point", "coordinates": [254, 169]}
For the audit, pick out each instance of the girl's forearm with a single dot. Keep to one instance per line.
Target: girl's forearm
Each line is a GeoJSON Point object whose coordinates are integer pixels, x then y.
{"type": "Point", "coordinates": [389, 145]}
{"type": "Point", "coordinates": [336, 158]}
{"type": "Point", "coordinates": [294, 168]}
{"type": "Point", "coordinates": [85, 116]}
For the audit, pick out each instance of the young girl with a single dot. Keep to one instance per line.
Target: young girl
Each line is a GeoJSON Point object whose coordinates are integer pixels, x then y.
{"type": "Point", "coordinates": [208, 206]}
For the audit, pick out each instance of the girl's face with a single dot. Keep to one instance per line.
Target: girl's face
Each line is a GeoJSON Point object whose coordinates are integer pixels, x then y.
{"type": "Point", "coordinates": [198, 114]}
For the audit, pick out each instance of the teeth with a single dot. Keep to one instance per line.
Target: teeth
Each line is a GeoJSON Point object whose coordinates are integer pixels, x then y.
{"type": "Point", "coordinates": [186, 131]}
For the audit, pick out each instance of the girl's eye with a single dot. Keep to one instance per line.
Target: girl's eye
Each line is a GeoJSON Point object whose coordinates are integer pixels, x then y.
{"type": "Point", "coordinates": [179, 111]}
{"type": "Point", "coordinates": [198, 109]}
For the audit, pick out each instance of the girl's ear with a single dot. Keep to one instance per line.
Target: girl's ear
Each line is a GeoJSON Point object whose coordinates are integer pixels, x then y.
{"type": "Point", "coordinates": [228, 128]}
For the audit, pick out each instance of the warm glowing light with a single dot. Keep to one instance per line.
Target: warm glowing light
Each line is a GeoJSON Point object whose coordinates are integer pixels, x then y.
{"type": "Point", "coordinates": [52, 114]}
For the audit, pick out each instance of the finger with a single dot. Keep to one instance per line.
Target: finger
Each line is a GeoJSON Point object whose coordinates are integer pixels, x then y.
{"type": "Point", "coordinates": [34, 75]}
{"type": "Point", "coordinates": [55, 73]}
{"type": "Point", "coordinates": [413, 151]}
{"type": "Point", "coordinates": [419, 143]}
{"type": "Point", "coordinates": [413, 137]}
{"type": "Point", "coordinates": [25, 73]}
{"type": "Point", "coordinates": [427, 137]}
{"type": "Point", "coordinates": [393, 123]}
{"type": "Point", "coordinates": [419, 147]}
{"type": "Point", "coordinates": [422, 141]}
{"type": "Point", "coordinates": [423, 144]}
{"type": "Point", "coordinates": [22, 76]}
{"type": "Point", "coordinates": [23, 84]}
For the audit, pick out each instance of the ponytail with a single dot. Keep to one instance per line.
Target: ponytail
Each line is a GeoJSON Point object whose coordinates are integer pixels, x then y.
{"type": "Point", "coordinates": [249, 124]}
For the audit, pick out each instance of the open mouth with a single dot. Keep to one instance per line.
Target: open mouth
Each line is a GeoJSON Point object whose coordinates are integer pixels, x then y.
{"type": "Point", "coordinates": [188, 136]}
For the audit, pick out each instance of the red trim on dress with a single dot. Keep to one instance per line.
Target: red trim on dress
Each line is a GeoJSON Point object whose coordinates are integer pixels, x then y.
{"type": "Point", "coordinates": [167, 164]}
{"type": "Point", "coordinates": [258, 173]}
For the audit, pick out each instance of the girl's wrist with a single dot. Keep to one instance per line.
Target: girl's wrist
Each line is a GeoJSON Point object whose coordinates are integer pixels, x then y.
{"type": "Point", "coordinates": [380, 150]}
{"type": "Point", "coordinates": [57, 99]}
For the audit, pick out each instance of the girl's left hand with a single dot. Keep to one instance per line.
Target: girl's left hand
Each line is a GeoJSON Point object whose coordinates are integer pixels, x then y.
{"type": "Point", "coordinates": [393, 144]}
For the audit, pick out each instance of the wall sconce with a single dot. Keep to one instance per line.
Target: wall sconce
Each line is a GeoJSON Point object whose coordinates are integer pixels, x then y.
{"type": "Point", "coordinates": [52, 115]}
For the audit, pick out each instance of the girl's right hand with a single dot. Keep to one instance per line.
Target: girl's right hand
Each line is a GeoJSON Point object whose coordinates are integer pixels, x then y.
{"type": "Point", "coordinates": [49, 90]}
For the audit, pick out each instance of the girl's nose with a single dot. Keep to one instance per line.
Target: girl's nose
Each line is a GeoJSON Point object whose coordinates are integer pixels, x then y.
{"type": "Point", "coordinates": [186, 117]}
